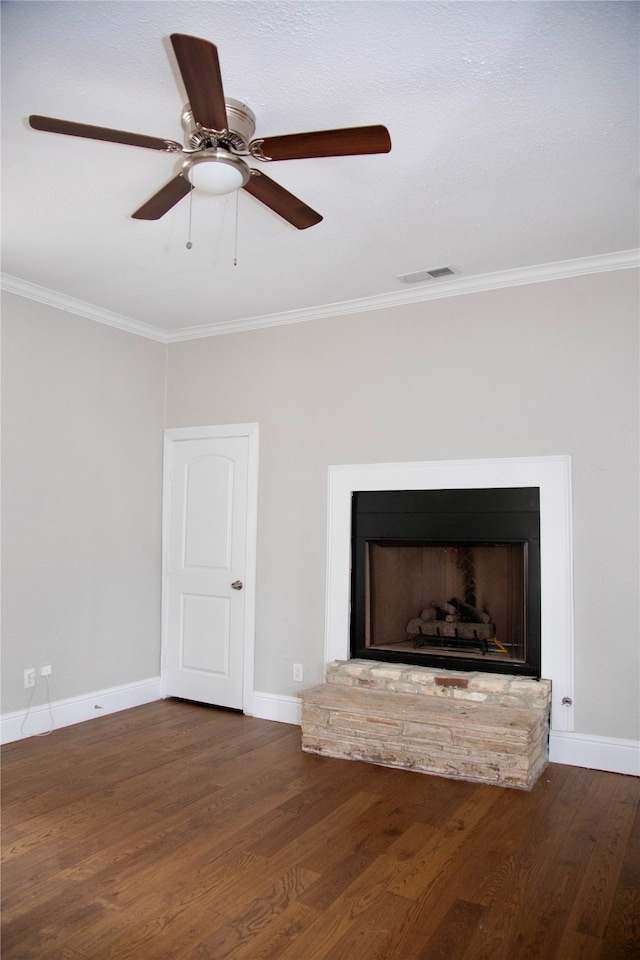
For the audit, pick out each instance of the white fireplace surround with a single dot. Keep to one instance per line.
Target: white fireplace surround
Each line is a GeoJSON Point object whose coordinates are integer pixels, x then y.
{"type": "Point", "coordinates": [551, 474]}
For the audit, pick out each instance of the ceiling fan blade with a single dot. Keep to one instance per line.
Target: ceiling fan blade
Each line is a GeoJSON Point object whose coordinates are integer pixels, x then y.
{"type": "Point", "coordinates": [281, 201]}
{"type": "Point", "coordinates": [351, 141]}
{"type": "Point", "coordinates": [162, 201]}
{"type": "Point", "coordinates": [200, 69]}
{"type": "Point", "coordinates": [51, 125]}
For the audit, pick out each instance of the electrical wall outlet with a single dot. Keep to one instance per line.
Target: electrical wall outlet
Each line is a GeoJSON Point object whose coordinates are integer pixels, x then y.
{"type": "Point", "coordinates": [297, 672]}
{"type": "Point", "coordinates": [30, 678]}
{"type": "Point", "coordinates": [46, 670]}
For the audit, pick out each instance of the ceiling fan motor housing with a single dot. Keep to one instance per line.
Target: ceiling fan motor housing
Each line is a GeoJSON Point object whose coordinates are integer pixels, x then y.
{"type": "Point", "coordinates": [241, 128]}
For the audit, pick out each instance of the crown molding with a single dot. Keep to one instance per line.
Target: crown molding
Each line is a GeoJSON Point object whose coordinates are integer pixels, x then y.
{"type": "Point", "coordinates": [430, 290]}
{"type": "Point", "coordinates": [79, 307]}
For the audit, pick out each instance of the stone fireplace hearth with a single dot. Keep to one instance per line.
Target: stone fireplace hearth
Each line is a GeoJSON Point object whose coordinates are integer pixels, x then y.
{"type": "Point", "coordinates": [482, 727]}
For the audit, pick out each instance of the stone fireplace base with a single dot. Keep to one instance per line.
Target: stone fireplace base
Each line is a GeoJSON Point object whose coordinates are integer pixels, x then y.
{"type": "Point", "coordinates": [490, 728]}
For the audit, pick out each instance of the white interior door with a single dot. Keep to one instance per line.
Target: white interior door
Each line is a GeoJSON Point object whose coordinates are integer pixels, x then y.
{"type": "Point", "coordinates": [206, 569]}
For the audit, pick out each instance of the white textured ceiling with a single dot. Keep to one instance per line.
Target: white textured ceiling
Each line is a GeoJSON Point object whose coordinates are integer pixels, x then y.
{"type": "Point", "coordinates": [515, 143]}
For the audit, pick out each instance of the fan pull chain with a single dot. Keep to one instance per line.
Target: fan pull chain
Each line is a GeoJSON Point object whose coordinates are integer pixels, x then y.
{"type": "Point", "coordinates": [235, 250]}
{"type": "Point", "coordinates": [189, 244]}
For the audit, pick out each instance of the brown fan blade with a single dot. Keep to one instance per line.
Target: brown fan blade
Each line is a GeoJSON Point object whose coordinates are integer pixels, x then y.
{"type": "Point", "coordinates": [162, 201]}
{"type": "Point", "coordinates": [51, 125]}
{"type": "Point", "coordinates": [200, 69]}
{"type": "Point", "coordinates": [349, 142]}
{"type": "Point", "coordinates": [281, 201]}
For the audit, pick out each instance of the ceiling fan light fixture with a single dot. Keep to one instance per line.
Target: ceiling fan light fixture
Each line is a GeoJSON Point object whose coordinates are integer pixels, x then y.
{"type": "Point", "coordinates": [216, 171]}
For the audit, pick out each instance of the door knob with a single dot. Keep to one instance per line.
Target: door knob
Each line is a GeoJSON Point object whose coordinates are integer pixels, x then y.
{"type": "Point", "coordinates": [237, 585]}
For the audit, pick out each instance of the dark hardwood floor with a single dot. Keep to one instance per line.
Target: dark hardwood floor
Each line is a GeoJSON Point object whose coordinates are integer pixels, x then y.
{"type": "Point", "coordinates": [180, 832]}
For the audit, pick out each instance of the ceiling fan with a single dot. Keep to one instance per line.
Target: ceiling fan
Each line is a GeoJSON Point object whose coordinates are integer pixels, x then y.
{"type": "Point", "coordinates": [218, 132]}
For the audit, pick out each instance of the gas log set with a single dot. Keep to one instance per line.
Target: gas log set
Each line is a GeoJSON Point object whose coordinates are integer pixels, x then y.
{"type": "Point", "coordinates": [453, 623]}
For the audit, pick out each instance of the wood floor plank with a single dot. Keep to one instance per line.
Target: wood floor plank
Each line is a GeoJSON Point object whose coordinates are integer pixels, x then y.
{"type": "Point", "coordinates": [552, 888]}
{"type": "Point", "coordinates": [594, 899]}
{"type": "Point", "coordinates": [237, 935]}
{"type": "Point", "coordinates": [482, 867]}
{"type": "Point", "coordinates": [526, 898]}
{"type": "Point", "coordinates": [230, 891]}
{"type": "Point", "coordinates": [367, 930]}
{"type": "Point", "coordinates": [622, 934]}
{"type": "Point", "coordinates": [179, 832]}
{"type": "Point", "coordinates": [293, 818]}
{"type": "Point", "coordinates": [332, 883]}
{"type": "Point", "coordinates": [442, 846]}
{"type": "Point", "coordinates": [269, 942]}
{"type": "Point", "coordinates": [338, 931]}
{"type": "Point", "coordinates": [578, 946]}
{"type": "Point", "coordinates": [452, 935]}
{"type": "Point", "coordinates": [136, 853]}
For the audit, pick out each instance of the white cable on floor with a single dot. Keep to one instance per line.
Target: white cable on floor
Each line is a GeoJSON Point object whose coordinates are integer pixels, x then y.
{"type": "Point", "coordinates": [45, 733]}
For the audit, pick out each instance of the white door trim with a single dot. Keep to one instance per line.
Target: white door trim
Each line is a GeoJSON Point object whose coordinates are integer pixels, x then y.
{"type": "Point", "coordinates": [174, 435]}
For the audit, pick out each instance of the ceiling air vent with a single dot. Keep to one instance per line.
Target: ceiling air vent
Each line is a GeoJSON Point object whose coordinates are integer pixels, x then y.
{"type": "Point", "coordinates": [434, 274]}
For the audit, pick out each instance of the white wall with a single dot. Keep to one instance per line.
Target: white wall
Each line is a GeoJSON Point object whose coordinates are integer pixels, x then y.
{"type": "Point", "coordinates": [83, 408]}
{"type": "Point", "coordinates": [550, 368]}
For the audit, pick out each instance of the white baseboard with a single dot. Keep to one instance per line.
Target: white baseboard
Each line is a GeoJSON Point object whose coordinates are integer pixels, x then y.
{"type": "Point", "coordinates": [63, 713]}
{"type": "Point", "coordinates": [271, 706]}
{"type": "Point", "coordinates": [596, 753]}
{"type": "Point", "coordinates": [574, 749]}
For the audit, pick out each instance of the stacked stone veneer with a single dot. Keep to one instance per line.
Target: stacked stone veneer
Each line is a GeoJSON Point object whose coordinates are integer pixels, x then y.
{"type": "Point", "coordinates": [490, 728]}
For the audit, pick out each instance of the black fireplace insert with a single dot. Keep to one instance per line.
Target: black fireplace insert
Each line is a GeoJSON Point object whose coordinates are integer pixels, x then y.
{"type": "Point", "coordinates": [447, 578]}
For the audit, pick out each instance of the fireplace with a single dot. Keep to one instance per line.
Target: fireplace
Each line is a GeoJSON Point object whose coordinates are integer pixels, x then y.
{"type": "Point", "coordinates": [550, 474]}
{"type": "Point", "coordinates": [447, 578]}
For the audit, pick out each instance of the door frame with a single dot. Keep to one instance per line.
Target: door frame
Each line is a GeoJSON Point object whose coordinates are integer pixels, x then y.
{"type": "Point", "coordinates": [175, 435]}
